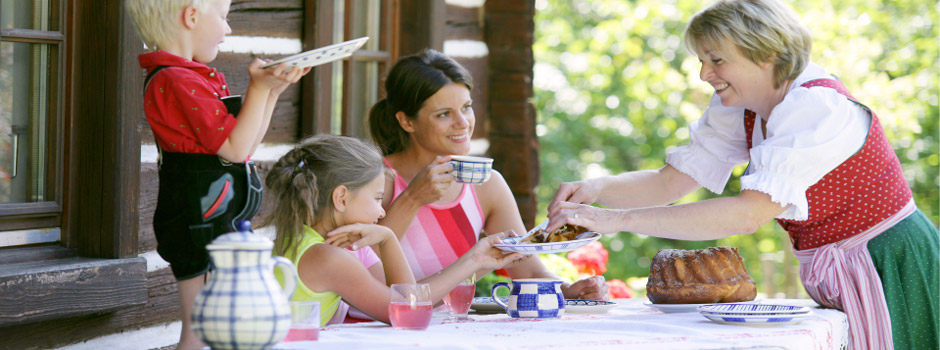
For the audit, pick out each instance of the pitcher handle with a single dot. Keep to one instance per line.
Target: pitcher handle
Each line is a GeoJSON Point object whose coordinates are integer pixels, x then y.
{"type": "Point", "coordinates": [496, 298]}
{"type": "Point", "coordinates": [290, 275]}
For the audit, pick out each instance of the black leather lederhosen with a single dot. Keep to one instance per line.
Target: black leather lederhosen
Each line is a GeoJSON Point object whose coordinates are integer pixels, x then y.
{"type": "Point", "coordinates": [201, 196]}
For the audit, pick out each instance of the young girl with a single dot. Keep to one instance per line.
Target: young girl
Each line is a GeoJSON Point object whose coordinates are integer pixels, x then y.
{"type": "Point", "coordinates": [329, 190]}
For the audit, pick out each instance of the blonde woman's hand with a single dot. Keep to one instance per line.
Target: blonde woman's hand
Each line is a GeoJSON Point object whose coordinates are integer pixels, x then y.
{"type": "Point", "coordinates": [431, 182]}
{"type": "Point", "coordinates": [581, 192]}
{"type": "Point", "coordinates": [358, 235]}
{"type": "Point", "coordinates": [596, 219]}
{"type": "Point", "coordinates": [488, 257]}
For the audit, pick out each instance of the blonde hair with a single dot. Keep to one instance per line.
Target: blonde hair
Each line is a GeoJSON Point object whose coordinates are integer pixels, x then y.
{"type": "Point", "coordinates": [303, 180]}
{"type": "Point", "coordinates": [156, 20]}
{"type": "Point", "coordinates": [760, 29]}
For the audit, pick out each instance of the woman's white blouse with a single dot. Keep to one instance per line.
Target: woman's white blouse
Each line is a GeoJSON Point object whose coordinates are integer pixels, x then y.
{"type": "Point", "coordinates": [809, 134]}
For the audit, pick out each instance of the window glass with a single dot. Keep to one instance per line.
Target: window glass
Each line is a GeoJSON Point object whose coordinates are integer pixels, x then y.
{"type": "Point", "coordinates": [29, 14]}
{"type": "Point", "coordinates": [24, 119]}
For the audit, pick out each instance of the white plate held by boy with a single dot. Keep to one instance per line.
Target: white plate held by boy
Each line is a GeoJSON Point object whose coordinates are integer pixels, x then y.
{"type": "Point", "coordinates": [321, 55]}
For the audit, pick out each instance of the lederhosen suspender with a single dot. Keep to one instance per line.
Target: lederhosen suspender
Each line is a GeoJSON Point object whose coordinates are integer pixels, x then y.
{"type": "Point", "coordinates": [204, 193]}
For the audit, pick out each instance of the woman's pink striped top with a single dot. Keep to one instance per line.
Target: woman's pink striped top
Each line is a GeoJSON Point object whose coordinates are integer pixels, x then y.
{"type": "Point", "coordinates": [440, 234]}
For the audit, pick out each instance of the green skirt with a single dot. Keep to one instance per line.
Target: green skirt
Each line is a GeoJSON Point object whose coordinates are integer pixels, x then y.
{"type": "Point", "coordinates": [907, 257]}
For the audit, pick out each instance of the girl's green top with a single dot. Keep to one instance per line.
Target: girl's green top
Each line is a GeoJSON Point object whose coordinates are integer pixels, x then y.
{"type": "Point", "coordinates": [329, 301]}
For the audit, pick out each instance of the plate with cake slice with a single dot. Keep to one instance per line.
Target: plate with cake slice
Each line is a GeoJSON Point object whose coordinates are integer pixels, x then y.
{"type": "Point", "coordinates": [539, 241]}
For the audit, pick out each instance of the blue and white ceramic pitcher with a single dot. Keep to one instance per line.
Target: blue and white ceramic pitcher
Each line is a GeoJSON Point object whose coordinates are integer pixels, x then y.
{"type": "Point", "coordinates": [242, 306]}
{"type": "Point", "coordinates": [532, 297]}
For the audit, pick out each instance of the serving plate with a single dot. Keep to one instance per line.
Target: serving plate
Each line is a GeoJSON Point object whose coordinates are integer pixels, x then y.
{"type": "Point", "coordinates": [486, 305]}
{"type": "Point", "coordinates": [674, 308]}
{"type": "Point", "coordinates": [752, 309]}
{"type": "Point", "coordinates": [757, 320]}
{"type": "Point", "coordinates": [678, 308]}
{"type": "Point", "coordinates": [581, 306]}
{"type": "Point", "coordinates": [513, 244]}
{"type": "Point", "coordinates": [321, 55]}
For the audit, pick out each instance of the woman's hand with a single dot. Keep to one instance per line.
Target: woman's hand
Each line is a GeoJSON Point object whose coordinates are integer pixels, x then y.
{"type": "Point", "coordinates": [593, 218]}
{"type": "Point", "coordinates": [488, 257]}
{"type": "Point", "coordinates": [591, 288]}
{"type": "Point", "coordinates": [430, 184]}
{"type": "Point", "coordinates": [582, 192]}
{"type": "Point", "coordinates": [359, 235]}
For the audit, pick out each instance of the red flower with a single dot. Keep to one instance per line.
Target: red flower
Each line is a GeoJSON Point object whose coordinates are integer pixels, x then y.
{"type": "Point", "coordinates": [619, 290]}
{"type": "Point", "coordinates": [590, 259]}
{"type": "Point", "coordinates": [502, 272]}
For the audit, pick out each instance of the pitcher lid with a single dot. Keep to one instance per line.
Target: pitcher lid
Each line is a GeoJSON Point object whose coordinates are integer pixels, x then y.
{"type": "Point", "coordinates": [241, 239]}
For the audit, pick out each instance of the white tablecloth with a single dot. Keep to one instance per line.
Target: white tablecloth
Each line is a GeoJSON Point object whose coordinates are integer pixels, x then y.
{"type": "Point", "coordinates": [631, 325]}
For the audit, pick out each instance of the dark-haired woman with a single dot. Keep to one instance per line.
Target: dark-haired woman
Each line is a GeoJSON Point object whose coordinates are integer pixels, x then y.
{"type": "Point", "coordinates": [426, 117]}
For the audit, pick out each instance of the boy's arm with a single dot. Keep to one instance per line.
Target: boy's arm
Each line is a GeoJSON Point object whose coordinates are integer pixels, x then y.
{"type": "Point", "coordinates": [241, 141]}
{"type": "Point", "coordinates": [255, 116]}
{"type": "Point", "coordinates": [268, 112]}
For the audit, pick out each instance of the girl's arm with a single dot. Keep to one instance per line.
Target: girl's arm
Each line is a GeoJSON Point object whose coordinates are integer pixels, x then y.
{"type": "Point", "coordinates": [325, 268]}
{"type": "Point", "coordinates": [502, 214]}
{"type": "Point", "coordinates": [329, 267]}
{"type": "Point", "coordinates": [482, 256]}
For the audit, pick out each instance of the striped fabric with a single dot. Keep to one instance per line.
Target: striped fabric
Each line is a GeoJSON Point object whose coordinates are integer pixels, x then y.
{"type": "Point", "coordinates": [440, 234]}
{"type": "Point", "coordinates": [842, 275]}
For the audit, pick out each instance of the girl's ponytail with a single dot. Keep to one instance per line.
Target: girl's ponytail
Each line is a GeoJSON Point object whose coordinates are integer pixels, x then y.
{"type": "Point", "coordinates": [386, 133]}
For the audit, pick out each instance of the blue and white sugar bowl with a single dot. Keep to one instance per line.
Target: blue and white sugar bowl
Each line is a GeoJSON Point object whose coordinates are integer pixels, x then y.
{"type": "Point", "coordinates": [532, 297]}
{"type": "Point", "coordinates": [242, 305]}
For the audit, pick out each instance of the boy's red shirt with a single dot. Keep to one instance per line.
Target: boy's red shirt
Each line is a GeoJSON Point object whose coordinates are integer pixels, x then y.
{"type": "Point", "coordinates": [182, 104]}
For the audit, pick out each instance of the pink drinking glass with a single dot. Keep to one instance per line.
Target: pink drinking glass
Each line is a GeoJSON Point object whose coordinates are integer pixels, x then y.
{"type": "Point", "coordinates": [410, 306]}
{"type": "Point", "coordinates": [459, 299]}
{"type": "Point", "coordinates": [305, 321]}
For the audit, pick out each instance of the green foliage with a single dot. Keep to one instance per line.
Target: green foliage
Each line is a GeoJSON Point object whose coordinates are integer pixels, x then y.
{"type": "Point", "coordinates": [616, 90]}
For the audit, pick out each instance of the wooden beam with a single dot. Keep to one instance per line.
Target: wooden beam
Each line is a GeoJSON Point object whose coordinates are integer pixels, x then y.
{"type": "Point", "coordinates": [423, 25]}
{"type": "Point", "coordinates": [50, 289]}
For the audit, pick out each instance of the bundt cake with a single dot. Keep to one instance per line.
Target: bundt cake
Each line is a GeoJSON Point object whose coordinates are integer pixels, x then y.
{"type": "Point", "coordinates": [710, 275]}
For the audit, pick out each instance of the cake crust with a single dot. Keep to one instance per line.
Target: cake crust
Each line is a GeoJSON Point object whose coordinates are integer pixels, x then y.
{"type": "Point", "coordinates": [710, 275]}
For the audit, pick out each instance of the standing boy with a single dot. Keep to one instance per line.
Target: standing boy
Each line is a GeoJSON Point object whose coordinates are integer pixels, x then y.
{"type": "Point", "coordinates": [207, 183]}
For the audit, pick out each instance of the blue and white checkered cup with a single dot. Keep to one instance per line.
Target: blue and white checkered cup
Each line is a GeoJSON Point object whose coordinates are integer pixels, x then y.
{"type": "Point", "coordinates": [471, 170]}
{"type": "Point", "coordinates": [532, 298]}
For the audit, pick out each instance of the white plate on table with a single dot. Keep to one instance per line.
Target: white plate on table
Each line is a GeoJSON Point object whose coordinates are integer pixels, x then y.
{"type": "Point", "coordinates": [581, 306]}
{"type": "Point", "coordinates": [758, 320]}
{"type": "Point", "coordinates": [674, 308]}
{"type": "Point", "coordinates": [512, 244]}
{"type": "Point", "coordinates": [752, 309]}
{"type": "Point", "coordinates": [486, 305]}
{"type": "Point", "coordinates": [679, 308]}
{"type": "Point", "coordinates": [321, 55]}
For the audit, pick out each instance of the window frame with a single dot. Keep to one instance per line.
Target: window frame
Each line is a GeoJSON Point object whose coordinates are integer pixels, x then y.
{"type": "Point", "coordinates": [44, 214]}
{"type": "Point", "coordinates": [316, 112]}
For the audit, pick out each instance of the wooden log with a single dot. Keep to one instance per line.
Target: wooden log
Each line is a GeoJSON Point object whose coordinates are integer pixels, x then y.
{"type": "Point", "coordinates": [50, 289]}
{"type": "Point", "coordinates": [162, 305]}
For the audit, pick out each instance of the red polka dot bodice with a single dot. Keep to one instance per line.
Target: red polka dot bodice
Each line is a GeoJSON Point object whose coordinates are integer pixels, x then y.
{"type": "Point", "coordinates": [864, 190]}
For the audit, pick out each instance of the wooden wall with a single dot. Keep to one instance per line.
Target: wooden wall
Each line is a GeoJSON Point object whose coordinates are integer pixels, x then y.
{"type": "Point", "coordinates": [509, 30]}
{"type": "Point", "coordinates": [466, 24]}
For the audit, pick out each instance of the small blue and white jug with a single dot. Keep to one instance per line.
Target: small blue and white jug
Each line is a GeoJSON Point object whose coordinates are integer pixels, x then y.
{"type": "Point", "coordinates": [242, 306]}
{"type": "Point", "coordinates": [532, 297]}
